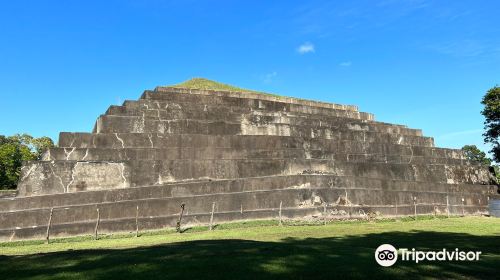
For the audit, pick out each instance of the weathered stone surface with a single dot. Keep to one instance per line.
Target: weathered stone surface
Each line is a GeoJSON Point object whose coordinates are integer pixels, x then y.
{"type": "Point", "coordinates": [240, 185]}
{"type": "Point", "coordinates": [251, 124]}
{"type": "Point", "coordinates": [47, 177]}
{"type": "Point", "coordinates": [348, 140]}
{"type": "Point", "coordinates": [245, 151]}
{"type": "Point", "coordinates": [259, 98]}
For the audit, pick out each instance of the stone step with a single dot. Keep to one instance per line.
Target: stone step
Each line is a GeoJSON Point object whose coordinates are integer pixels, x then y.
{"type": "Point", "coordinates": [126, 154]}
{"type": "Point", "coordinates": [45, 177]}
{"type": "Point", "coordinates": [237, 114]}
{"type": "Point", "coordinates": [227, 202]}
{"type": "Point", "coordinates": [167, 93]}
{"type": "Point", "coordinates": [348, 141]}
{"type": "Point", "coordinates": [244, 105]}
{"type": "Point", "coordinates": [181, 108]}
{"type": "Point", "coordinates": [8, 193]}
{"type": "Point", "coordinates": [235, 185]}
{"type": "Point", "coordinates": [258, 126]}
{"type": "Point", "coordinates": [228, 115]}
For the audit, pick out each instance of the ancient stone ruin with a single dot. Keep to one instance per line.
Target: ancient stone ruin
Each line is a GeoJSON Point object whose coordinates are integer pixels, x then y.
{"type": "Point", "coordinates": [247, 152]}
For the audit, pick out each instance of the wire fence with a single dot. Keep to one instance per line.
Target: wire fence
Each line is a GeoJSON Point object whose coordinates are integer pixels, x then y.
{"type": "Point", "coordinates": [321, 213]}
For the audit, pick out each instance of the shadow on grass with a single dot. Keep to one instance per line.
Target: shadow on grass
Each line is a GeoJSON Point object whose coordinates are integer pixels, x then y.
{"type": "Point", "coordinates": [312, 258]}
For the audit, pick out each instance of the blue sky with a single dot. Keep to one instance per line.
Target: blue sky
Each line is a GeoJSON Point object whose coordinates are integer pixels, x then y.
{"type": "Point", "coordinates": [425, 64]}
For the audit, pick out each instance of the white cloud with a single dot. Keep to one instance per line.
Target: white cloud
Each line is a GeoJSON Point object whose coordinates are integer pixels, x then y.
{"type": "Point", "coordinates": [345, 64]}
{"type": "Point", "coordinates": [306, 48]}
{"type": "Point", "coordinates": [268, 78]}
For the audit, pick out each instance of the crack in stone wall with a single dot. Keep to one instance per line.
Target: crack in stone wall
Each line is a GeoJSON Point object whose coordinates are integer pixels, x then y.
{"type": "Point", "coordinates": [86, 154]}
{"type": "Point", "coordinates": [120, 140]}
{"type": "Point", "coordinates": [51, 165]}
{"type": "Point", "coordinates": [88, 175]}
{"type": "Point", "coordinates": [72, 175]}
{"type": "Point", "coordinates": [411, 157]}
{"type": "Point", "coordinates": [123, 175]}
{"type": "Point", "coordinates": [151, 140]}
{"type": "Point", "coordinates": [72, 141]}
{"type": "Point", "coordinates": [28, 173]}
{"type": "Point", "coordinates": [68, 154]}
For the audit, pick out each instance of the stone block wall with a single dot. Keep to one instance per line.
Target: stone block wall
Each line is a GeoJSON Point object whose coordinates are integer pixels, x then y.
{"type": "Point", "coordinates": [247, 152]}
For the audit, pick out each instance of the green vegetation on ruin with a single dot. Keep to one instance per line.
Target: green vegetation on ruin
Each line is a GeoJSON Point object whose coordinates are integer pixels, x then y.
{"type": "Point", "coordinates": [263, 250]}
{"type": "Point", "coordinates": [205, 84]}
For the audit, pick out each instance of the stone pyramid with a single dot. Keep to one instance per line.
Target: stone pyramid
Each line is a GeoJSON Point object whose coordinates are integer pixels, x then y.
{"type": "Point", "coordinates": [246, 151]}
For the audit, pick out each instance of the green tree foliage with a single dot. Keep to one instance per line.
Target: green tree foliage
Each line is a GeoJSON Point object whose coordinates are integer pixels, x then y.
{"type": "Point", "coordinates": [491, 112]}
{"type": "Point", "coordinates": [473, 153]}
{"type": "Point", "coordinates": [41, 145]}
{"type": "Point", "coordinates": [16, 149]}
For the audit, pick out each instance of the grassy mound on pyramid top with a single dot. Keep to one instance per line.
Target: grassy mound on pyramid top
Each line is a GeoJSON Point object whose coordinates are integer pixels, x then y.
{"type": "Point", "coordinates": [202, 83]}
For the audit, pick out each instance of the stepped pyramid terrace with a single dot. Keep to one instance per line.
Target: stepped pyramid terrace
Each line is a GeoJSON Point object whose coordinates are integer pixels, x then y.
{"type": "Point", "coordinates": [202, 142]}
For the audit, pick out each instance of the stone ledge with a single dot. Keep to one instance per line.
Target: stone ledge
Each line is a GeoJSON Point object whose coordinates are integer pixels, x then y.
{"type": "Point", "coordinates": [291, 100]}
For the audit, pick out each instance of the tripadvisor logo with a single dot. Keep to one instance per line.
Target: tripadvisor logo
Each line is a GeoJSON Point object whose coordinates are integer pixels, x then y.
{"type": "Point", "coordinates": [387, 255]}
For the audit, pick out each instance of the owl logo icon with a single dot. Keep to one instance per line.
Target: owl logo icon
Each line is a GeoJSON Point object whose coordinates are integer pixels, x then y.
{"type": "Point", "coordinates": [386, 255]}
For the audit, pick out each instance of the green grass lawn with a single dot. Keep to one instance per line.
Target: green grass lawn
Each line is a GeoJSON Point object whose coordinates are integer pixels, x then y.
{"type": "Point", "coordinates": [262, 250]}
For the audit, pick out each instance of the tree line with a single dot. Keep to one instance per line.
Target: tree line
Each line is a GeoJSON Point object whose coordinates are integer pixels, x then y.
{"type": "Point", "coordinates": [16, 149]}
{"type": "Point", "coordinates": [491, 113]}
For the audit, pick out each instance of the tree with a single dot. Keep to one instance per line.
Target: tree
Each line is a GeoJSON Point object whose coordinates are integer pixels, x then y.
{"type": "Point", "coordinates": [41, 145]}
{"type": "Point", "coordinates": [16, 149]}
{"type": "Point", "coordinates": [491, 113]}
{"type": "Point", "coordinates": [473, 153]}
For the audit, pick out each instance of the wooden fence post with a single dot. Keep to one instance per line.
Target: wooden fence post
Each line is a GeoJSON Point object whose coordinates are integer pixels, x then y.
{"type": "Point", "coordinates": [324, 213]}
{"type": "Point", "coordinates": [47, 236]}
{"type": "Point", "coordinates": [415, 206]}
{"type": "Point", "coordinates": [447, 206]}
{"type": "Point", "coordinates": [178, 226]}
{"type": "Point", "coordinates": [281, 223]}
{"type": "Point", "coordinates": [97, 224]}
{"type": "Point", "coordinates": [463, 207]}
{"type": "Point", "coordinates": [396, 207]}
{"type": "Point", "coordinates": [211, 227]}
{"type": "Point", "coordinates": [137, 221]}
